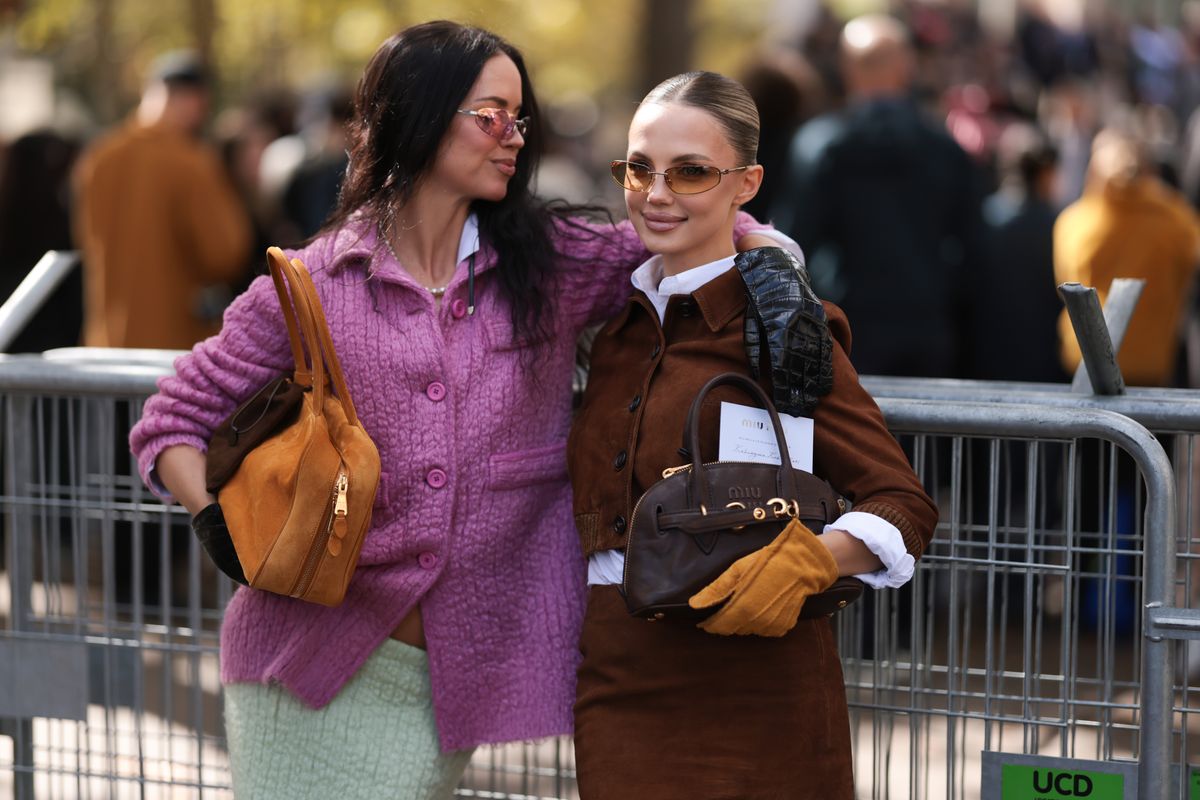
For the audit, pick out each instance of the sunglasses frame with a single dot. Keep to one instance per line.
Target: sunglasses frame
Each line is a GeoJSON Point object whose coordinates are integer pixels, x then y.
{"type": "Point", "coordinates": [721, 173]}
{"type": "Point", "coordinates": [515, 124]}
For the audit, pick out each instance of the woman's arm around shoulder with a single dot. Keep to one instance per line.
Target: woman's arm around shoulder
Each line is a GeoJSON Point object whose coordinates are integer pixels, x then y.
{"type": "Point", "coordinates": [597, 258]}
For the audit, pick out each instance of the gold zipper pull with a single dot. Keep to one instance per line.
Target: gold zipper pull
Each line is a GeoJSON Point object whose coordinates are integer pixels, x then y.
{"type": "Point", "coordinates": [669, 471]}
{"type": "Point", "coordinates": [341, 507]}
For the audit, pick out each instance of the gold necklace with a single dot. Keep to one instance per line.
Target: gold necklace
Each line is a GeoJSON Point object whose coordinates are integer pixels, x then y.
{"type": "Point", "coordinates": [436, 291]}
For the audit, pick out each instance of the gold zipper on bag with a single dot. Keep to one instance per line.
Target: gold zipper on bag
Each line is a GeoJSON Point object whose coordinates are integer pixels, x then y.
{"type": "Point", "coordinates": [326, 537]}
{"type": "Point", "coordinates": [341, 509]}
{"type": "Point", "coordinates": [669, 471]}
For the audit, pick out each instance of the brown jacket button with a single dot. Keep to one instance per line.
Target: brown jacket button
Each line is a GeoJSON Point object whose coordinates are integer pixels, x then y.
{"type": "Point", "coordinates": [619, 524]}
{"type": "Point", "coordinates": [619, 461]}
{"type": "Point", "coordinates": [637, 401]}
{"type": "Point", "coordinates": [687, 308]}
{"type": "Point", "coordinates": [654, 353]}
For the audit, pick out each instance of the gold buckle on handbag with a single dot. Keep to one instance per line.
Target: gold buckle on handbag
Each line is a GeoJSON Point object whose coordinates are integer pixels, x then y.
{"type": "Point", "coordinates": [784, 508]}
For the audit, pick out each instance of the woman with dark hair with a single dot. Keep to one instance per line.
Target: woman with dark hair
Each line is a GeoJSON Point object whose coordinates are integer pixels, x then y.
{"type": "Point", "coordinates": [749, 703]}
{"type": "Point", "coordinates": [454, 301]}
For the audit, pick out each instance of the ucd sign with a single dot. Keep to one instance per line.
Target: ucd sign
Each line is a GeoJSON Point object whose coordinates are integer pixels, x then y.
{"type": "Point", "coordinates": [1033, 783]}
{"type": "Point", "coordinates": [1007, 776]}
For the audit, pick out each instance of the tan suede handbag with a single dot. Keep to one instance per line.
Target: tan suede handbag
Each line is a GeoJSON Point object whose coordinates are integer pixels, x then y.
{"type": "Point", "coordinates": [299, 505]}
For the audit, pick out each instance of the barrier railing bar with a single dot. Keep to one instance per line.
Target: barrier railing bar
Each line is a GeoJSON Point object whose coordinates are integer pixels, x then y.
{"type": "Point", "coordinates": [1174, 410]}
{"type": "Point", "coordinates": [32, 292]}
{"type": "Point", "coordinates": [1099, 368]}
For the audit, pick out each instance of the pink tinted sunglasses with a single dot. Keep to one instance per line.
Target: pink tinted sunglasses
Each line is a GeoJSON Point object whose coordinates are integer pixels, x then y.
{"type": "Point", "coordinates": [497, 123]}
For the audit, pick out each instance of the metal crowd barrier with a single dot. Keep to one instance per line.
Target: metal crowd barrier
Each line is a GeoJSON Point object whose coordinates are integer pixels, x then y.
{"type": "Point", "coordinates": [1164, 612]}
{"type": "Point", "coordinates": [1023, 631]}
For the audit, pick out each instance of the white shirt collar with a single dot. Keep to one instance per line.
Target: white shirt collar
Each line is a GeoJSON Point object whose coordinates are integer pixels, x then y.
{"type": "Point", "coordinates": [649, 279]}
{"type": "Point", "coordinates": [468, 242]}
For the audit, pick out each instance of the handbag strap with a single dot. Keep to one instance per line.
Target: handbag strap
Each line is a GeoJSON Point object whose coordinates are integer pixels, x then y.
{"type": "Point", "coordinates": [310, 370]}
{"type": "Point", "coordinates": [277, 265]}
{"type": "Point", "coordinates": [324, 340]}
{"type": "Point", "coordinates": [699, 486]}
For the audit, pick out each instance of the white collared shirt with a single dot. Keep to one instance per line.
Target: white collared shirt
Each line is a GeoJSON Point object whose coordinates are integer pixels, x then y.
{"type": "Point", "coordinates": [468, 241]}
{"type": "Point", "coordinates": [881, 537]}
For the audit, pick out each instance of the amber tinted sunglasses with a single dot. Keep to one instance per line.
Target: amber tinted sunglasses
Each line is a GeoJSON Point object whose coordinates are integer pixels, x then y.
{"type": "Point", "coordinates": [497, 123]}
{"type": "Point", "coordinates": [684, 179]}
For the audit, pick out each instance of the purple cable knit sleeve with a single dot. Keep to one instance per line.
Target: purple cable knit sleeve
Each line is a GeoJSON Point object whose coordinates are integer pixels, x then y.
{"type": "Point", "coordinates": [211, 380]}
{"type": "Point", "coordinates": [597, 260]}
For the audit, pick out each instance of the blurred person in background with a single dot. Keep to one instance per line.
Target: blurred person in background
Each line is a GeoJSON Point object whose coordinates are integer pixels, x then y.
{"type": "Point", "coordinates": [1158, 53]}
{"type": "Point", "coordinates": [567, 171]}
{"type": "Point", "coordinates": [310, 193]}
{"type": "Point", "coordinates": [1053, 49]}
{"type": "Point", "coordinates": [885, 205]}
{"type": "Point", "coordinates": [1129, 224]}
{"type": "Point", "coordinates": [158, 219]}
{"type": "Point", "coordinates": [1018, 272]}
{"type": "Point", "coordinates": [243, 134]}
{"type": "Point", "coordinates": [1015, 281]}
{"type": "Point", "coordinates": [1070, 112]}
{"type": "Point", "coordinates": [35, 217]}
{"type": "Point", "coordinates": [1188, 148]}
{"type": "Point", "coordinates": [786, 91]}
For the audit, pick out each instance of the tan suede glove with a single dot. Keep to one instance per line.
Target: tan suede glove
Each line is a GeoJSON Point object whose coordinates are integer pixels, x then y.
{"type": "Point", "coordinates": [767, 588]}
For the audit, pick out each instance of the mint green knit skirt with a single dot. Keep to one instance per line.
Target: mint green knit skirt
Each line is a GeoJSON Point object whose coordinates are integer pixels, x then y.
{"type": "Point", "coordinates": [376, 739]}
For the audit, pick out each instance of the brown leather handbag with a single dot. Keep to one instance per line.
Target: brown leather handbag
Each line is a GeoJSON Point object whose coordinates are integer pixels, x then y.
{"type": "Point", "coordinates": [299, 503]}
{"type": "Point", "coordinates": [701, 517]}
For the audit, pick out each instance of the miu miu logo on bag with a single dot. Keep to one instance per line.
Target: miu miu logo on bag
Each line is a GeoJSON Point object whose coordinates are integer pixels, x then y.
{"type": "Point", "coordinates": [745, 493]}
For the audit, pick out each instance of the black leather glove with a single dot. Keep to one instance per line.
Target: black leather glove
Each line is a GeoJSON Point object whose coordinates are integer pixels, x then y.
{"type": "Point", "coordinates": [209, 527]}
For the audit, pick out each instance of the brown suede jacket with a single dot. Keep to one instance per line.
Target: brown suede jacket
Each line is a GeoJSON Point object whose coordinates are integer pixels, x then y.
{"type": "Point", "coordinates": [643, 379]}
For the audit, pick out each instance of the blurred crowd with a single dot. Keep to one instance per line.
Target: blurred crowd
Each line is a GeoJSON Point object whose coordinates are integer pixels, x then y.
{"type": "Point", "coordinates": [941, 176]}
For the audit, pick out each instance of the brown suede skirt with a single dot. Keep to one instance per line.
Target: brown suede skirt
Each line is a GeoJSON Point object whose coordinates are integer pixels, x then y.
{"type": "Point", "coordinates": [665, 711]}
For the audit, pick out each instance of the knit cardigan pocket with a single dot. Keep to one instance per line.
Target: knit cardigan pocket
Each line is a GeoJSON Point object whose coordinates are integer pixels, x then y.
{"type": "Point", "coordinates": [520, 468]}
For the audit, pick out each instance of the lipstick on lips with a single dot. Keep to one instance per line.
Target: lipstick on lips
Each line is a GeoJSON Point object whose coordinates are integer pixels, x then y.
{"type": "Point", "coordinates": [661, 223]}
{"type": "Point", "coordinates": [508, 166]}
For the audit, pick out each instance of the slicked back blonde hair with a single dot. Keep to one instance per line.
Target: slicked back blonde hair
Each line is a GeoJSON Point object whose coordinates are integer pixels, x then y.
{"type": "Point", "coordinates": [724, 98]}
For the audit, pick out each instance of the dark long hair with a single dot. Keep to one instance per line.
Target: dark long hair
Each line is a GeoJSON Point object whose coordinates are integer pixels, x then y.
{"type": "Point", "coordinates": [404, 105]}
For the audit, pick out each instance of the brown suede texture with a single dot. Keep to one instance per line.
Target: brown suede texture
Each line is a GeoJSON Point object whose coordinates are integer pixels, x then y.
{"type": "Point", "coordinates": [643, 379]}
{"type": "Point", "coordinates": [667, 711]}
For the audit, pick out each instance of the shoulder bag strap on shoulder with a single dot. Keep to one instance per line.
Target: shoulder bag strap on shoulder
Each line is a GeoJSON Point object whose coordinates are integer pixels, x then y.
{"type": "Point", "coordinates": [323, 350]}
{"type": "Point", "coordinates": [277, 264]}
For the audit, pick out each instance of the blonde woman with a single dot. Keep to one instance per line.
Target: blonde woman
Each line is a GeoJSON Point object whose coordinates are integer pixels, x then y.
{"type": "Point", "coordinates": [750, 703]}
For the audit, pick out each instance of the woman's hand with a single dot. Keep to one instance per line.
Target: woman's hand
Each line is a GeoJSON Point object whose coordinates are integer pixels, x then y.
{"type": "Point", "coordinates": [753, 240]}
{"type": "Point", "coordinates": [766, 590]}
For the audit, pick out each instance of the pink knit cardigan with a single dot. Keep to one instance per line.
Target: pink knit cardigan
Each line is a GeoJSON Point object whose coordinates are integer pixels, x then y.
{"type": "Point", "coordinates": [473, 516]}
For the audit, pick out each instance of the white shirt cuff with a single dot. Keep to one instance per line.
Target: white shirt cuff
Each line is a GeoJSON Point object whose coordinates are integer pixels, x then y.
{"type": "Point", "coordinates": [156, 485]}
{"type": "Point", "coordinates": [884, 540]}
